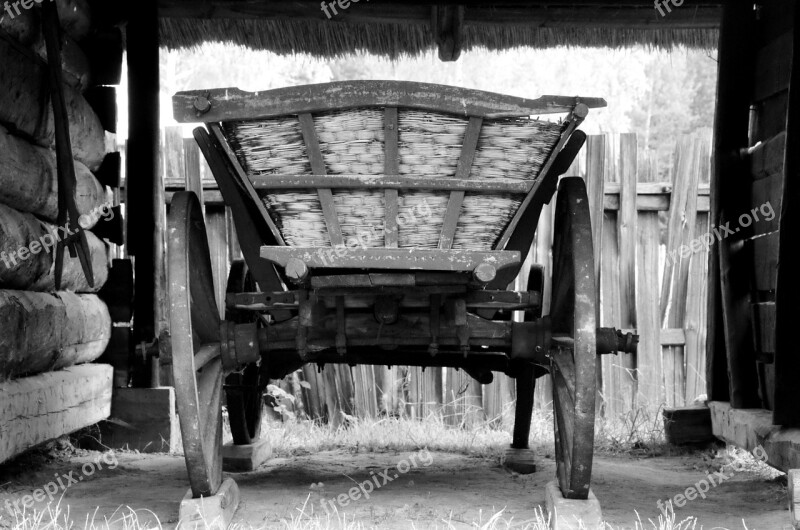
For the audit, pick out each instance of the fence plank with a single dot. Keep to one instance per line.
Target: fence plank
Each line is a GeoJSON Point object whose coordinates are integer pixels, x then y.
{"type": "Point", "coordinates": [680, 227]}
{"type": "Point", "coordinates": [649, 361]}
{"type": "Point", "coordinates": [695, 322]}
{"type": "Point", "coordinates": [618, 308]}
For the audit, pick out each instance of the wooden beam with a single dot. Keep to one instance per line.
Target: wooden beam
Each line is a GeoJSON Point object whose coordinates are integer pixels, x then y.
{"type": "Point", "coordinates": [787, 362]}
{"type": "Point", "coordinates": [386, 258]}
{"type": "Point", "coordinates": [734, 266]}
{"type": "Point", "coordinates": [142, 161]}
{"type": "Point", "coordinates": [420, 182]}
{"type": "Point", "coordinates": [46, 406]}
{"type": "Point", "coordinates": [228, 104]}
{"type": "Point", "coordinates": [447, 25]}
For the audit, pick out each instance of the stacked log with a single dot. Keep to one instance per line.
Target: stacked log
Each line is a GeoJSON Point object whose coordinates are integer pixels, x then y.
{"type": "Point", "coordinates": [43, 332]}
{"type": "Point", "coordinates": [29, 180]}
{"type": "Point", "coordinates": [52, 331]}
{"type": "Point", "coordinates": [27, 255]}
{"type": "Point", "coordinates": [23, 94]}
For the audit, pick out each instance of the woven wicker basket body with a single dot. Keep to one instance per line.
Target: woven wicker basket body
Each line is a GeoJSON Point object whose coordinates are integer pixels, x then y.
{"type": "Point", "coordinates": [352, 143]}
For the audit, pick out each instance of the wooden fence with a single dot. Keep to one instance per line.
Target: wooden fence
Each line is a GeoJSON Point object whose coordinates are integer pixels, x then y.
{"type": "Point", "coordinates": [648, 224]}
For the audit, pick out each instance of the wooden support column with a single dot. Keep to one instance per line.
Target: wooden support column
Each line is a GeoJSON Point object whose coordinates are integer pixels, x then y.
{"type": "Point", "coordinates": [731, 177]}
{"type": "Point", "coordinates": [142, 160]}
{"type": "Point", "coordinates": [787, 362]}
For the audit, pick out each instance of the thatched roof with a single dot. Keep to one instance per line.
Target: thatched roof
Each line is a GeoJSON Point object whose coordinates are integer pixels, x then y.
{"type": "Point", "coordinates": [395, 29]}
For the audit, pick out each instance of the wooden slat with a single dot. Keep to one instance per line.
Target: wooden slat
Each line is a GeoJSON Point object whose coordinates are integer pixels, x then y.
{"type": "Point", "coordinates": [773, 64]}
{"type": "Point", "coordinates": [318, 167]}
{"type": "Point", "coordinates": [393, 258]}
{"type": "Point", "coordinates": [234, 104]}
{"type": "Point", "coordinates": [649, 359]}
{"type": "Point", "coordinates": [217, 230]}
{"type": "Point", "coordinates": [391, 169]}
{"type": "Point", "coordinates": [652, 203]}
{"type": "Point", "coordinates": [463, 170]}
{"type": "Point", "coordinates": [244, 181]}
{"type": "Point", "coordinates": [388, 182]}
{"type": "Point", "coordinates": [766, 158]}
{"type": "Point", "coordinates": [619, 376]}
{"type": "Point", "coordinates": [765, 255]}
{"type": "Point", "coordinates": [626, 235]}
{"type": "Point", "coordinates": [680, 228]}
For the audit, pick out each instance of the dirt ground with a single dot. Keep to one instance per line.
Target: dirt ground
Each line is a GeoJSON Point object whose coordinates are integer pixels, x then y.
{"type": "Point", "coordinates": [452, 491]}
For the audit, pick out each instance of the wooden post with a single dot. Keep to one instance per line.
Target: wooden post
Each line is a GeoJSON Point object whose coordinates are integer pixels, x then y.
{"type": "Point", "coordinates": [787, 362]}
{"type": "Point", "coordinates": [143, 183]}
{"type": "Point", "coordinates": [728, 184]}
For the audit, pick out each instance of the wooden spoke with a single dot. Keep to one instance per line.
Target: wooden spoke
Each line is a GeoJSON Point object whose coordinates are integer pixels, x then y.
{"type": "Point", "coordinates": [195, 336]}
{"type": "Point", "coordinates": [205, 354]}
{"type": "Point", "coordinates": [573, 352]}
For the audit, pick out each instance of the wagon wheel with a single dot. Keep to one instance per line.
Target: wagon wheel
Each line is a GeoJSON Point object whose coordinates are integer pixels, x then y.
{"type": "Point", "coordinates": [573, 353]}
{"type": "Point", "coordinates": [195, 329]}
{"type": "Point", "coordinates": [244, 391]}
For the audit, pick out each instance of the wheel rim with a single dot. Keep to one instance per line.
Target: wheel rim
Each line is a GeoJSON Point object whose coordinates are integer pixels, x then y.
{"type": "Point", "coordinates": [574, 352]}
{"type": "Point", "coordinates": [243, 391]}
{"type": "Point", "coordinates": [195, 336]}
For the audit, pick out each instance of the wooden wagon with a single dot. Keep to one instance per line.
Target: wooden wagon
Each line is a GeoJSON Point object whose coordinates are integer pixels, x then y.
{"type": "Point", "coordinates": [383, 223]}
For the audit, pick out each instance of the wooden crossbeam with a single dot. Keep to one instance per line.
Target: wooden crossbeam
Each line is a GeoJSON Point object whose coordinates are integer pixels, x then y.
{"type": "Point", "coordinates": [391, 258]}
{"type": "Point", "coordinates": [318, 167]}
{"type": "Point", "coordinates": [463, 169]}
{"type": "Point", "coordinates": [389, 182]}
{"type": "Point", "coordinates": [391, 168]}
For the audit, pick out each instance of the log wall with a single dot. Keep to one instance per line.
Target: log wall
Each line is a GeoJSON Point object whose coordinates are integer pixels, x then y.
{"type": "Point", "coordinates": [43, 332]}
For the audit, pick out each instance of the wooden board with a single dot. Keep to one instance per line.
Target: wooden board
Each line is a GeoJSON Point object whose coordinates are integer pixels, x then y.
{"type": "Point", "coordinates": [43, 407]}
{"type": "Point", "coordinates": [767, 197]}
{"type": "Point", "coordinates": [51, 331]}
{"type": "Point", "coordinates": [651, 365]}
{"type": "Point", "coordinates": [752, 430]}
{"type": "Point", "coordinates": [235, 104]}
{"type": "Point", "coordinates": [23, 89]}
{"type": "Point", "coordinates": [390, 258]}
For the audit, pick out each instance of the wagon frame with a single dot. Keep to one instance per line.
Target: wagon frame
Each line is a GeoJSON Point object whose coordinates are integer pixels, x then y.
{"type": "Point", "coordinates": [388, 306]}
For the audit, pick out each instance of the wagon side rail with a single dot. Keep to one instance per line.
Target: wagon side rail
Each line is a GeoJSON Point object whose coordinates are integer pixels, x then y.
{"type": "Point", "coordinates": [230, 104]}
